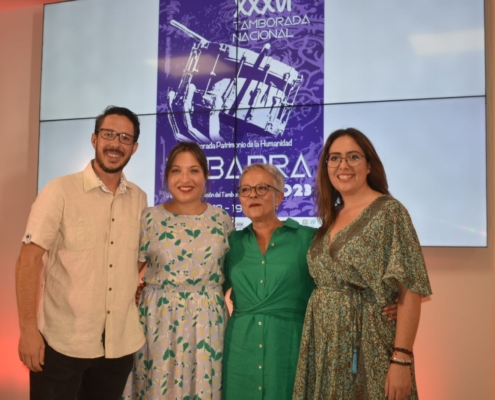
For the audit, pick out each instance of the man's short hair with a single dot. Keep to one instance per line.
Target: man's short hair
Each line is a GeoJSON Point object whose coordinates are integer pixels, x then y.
{"type": "Point", "coordinates": [122, 111]}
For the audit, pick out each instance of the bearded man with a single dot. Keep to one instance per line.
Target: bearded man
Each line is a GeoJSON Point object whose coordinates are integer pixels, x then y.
{"type": "Point", "coordinates": [83, 234]}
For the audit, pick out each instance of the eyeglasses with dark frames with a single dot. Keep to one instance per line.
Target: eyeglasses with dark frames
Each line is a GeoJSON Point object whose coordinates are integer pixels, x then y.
{"type": "Point", "coordinates": [108, 134]}
{"type": "Point", "coordinates": [260, 189]}
{"type": "Point", "coordinates": [353, 159]}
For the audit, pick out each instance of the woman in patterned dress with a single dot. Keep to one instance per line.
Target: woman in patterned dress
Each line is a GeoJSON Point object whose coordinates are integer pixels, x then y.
{"type": "Point", "coordinates": [182, 307]}
{"type": "Point", "coordinates": [364, 255]}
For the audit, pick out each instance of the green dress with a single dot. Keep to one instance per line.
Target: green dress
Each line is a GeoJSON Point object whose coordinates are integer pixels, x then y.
{"type": "Point", "coordinates": [270, 293]}
{"type": "Point", "coordinates": [355, 278]}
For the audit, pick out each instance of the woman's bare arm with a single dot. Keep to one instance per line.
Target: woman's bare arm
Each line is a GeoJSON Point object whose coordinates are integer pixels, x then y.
{"type": "Point", "coordinates": [398, 383]}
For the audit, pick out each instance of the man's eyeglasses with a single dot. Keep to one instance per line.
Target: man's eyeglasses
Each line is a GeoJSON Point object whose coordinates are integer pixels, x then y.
{"type": "Point", "coordinates": [352, 158]}
{"type": "Point", "coordinates": [261, 189]}
{"type": "Point", "coordinates": [108, 134]}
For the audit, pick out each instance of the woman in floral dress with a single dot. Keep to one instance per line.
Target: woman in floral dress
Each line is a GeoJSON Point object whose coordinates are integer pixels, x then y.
{"type": "Point", "coordinates": [364, 256]}
{"type": "Point", "coordinates": [182, 307]}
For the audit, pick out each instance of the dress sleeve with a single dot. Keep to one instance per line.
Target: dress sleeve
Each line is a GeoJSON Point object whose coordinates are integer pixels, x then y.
{"type": "Point", "coordinates": [405, 262]}
{"type": "Point", "coordinates": [144, 241]}
{"type": "Point", "coordinates": [228, 225]}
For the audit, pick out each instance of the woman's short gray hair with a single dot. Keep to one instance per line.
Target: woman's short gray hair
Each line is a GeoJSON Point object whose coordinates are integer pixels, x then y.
{"type": "Point", "coordinates": [272, 170]}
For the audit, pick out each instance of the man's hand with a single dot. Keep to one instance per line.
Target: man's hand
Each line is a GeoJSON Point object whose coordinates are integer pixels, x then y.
{"type": "Point", "coordinates": [139, 292]}
{"type": "Point", "coordinates": [32, 350]}
{"type": "Point", "coordinates": [28, 267]}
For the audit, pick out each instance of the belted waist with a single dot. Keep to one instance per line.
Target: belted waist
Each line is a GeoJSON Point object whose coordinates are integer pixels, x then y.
{"type": "Point", "coordinates": [283, 313]}
{"type": "Point", "coordinates": [170, 287]}
{"type": "Point", "coordinates": [350, 289]}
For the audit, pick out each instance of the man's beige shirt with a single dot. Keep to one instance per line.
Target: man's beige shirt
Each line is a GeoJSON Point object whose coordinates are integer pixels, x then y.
{"type": "Point", "coordinates": [90, 277]}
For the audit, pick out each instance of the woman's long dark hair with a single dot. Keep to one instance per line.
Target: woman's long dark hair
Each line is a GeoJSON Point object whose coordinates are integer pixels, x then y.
{"type": "Point", "coordinates": [327, 199]}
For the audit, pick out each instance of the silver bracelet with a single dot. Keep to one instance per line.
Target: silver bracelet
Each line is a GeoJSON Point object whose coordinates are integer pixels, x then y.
{"type": "Point", "coordinates": [401, 361]}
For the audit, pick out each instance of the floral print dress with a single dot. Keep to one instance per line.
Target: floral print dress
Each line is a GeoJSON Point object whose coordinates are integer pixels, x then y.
{"type": "Point", "coordinates": [346, 342]}
{"type": "Point", "coordinates": [182, 309]}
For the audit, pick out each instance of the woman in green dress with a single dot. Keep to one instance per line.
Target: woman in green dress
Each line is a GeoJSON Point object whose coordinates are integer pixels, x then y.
{"type": "Point", "coordinates": [365, 254]}
{"type": "Point", "coordinates": [268, 272]}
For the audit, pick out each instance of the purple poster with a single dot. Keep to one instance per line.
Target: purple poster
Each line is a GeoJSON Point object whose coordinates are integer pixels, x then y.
{"type": "Point", "coordinates": [243, 79]}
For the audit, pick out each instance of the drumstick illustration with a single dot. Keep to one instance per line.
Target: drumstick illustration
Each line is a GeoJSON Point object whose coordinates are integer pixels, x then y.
{"type": "Point", "coordinates": [225, 79]}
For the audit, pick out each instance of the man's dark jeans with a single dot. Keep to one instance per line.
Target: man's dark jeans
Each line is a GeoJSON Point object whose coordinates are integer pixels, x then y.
{"type": "Point", "coordinates": [69, 378]}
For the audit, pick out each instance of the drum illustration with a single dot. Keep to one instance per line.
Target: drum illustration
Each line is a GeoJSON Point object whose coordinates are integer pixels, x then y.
{"type": "Point", "coordinates": [231, 82]}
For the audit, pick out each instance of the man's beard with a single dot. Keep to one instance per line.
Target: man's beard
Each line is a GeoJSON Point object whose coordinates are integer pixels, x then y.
{"type": "Point", "coordinates": [110, 170]}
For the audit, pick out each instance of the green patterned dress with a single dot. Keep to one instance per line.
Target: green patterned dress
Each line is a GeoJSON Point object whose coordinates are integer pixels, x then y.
{"type": "Point", "coordinates": [346, 342]}
{"type": "Point", "coordinates": [182, 308]}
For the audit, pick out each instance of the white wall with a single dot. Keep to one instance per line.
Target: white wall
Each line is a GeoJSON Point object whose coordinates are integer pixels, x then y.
{"type": "Point", "coordinates": [20, 64]}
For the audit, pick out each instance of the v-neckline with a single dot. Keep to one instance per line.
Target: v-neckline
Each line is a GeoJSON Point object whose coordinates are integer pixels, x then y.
{"type": "Point", "coordinates": [330, 243]}
{"type": "Point", "coordinates": [269, 241]}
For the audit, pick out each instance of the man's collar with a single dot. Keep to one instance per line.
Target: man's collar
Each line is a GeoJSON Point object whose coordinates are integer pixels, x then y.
{"type": "Point", "coordinates": [91, 180]}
